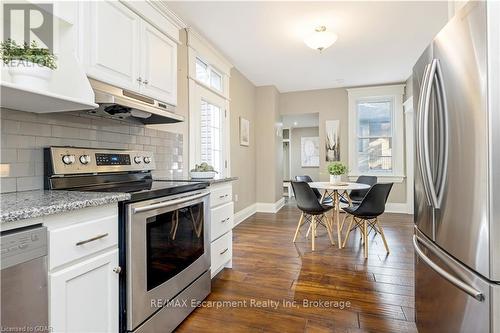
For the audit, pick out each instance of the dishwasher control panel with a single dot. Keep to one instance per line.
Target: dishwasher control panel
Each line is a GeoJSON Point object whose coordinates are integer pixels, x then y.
{"type": "Point", "coordinates": [21, 245]}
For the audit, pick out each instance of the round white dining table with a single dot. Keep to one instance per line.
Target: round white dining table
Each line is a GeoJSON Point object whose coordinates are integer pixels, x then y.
{"type": "Point", "coordinates": [334, 191]}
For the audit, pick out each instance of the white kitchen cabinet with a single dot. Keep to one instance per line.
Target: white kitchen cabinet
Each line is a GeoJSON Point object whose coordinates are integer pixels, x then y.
{"type": "Point", "coordinates": [221, 226]}
{"type": "Point", "coordinates": [84, 296]}
{"type": "Point", "coordinates": [111, 47]}
{"type": "Point", "coordinates": [119, 47]}
{"type": "Point", "coordinates": [159, 65]}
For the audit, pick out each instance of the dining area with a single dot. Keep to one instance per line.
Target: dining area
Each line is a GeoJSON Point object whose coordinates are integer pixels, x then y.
{"type": "Point", "coordinates": [321, 205]}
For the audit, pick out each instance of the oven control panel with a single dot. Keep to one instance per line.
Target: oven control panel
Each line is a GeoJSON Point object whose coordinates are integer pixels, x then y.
{"type": "Point", "coordinates": [72, 160]}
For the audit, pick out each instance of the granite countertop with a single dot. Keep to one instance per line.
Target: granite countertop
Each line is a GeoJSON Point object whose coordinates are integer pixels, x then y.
{"type": "Point", "coordinates": [31, 204]}
{"type": "Point", "coordinates": [206, 180]}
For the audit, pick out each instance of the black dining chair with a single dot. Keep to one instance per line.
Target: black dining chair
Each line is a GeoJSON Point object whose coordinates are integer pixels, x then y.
{"type": "Point", "coordinates": [313, 212]}
{"type": "Point", "coordinates": [367, 212]}
{"type": "Point", "coordinates": [357, 196]}
{"type": "Point", "coordinates": [307, 179]}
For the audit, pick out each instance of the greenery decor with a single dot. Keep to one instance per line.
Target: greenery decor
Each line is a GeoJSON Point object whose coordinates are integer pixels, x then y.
{"type": "Point", "coordinates": [337, 169]}
{"type": "Point", "coordinates": [10, 50]}
{"type": "Point", "coordinates": [203, 167]}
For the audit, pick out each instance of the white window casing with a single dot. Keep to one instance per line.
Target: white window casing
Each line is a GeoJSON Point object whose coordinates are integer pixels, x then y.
{"type": "Point", "coordinates": [393, 95]}
{"type": "Point", "coordinates": [208, 74]}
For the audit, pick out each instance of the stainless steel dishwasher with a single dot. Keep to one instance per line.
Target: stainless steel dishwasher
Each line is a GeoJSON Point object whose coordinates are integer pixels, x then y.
{"type": "Point", "coordinates": [24, 296]}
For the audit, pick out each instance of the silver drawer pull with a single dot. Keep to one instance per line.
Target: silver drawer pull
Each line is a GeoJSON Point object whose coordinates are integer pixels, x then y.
{"type": "Point", "coordinates": [91, 239]}
{"type": "Point", "coordinates": [225, 220]}
{"type": "Point", "coordinates": [223, 196]}
{"type": "Point", "coordinates": [224, 251]}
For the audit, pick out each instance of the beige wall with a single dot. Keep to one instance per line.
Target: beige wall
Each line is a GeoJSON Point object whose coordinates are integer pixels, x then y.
{"type": "Point", "coordinates": [269, 154]}
{"type": "Point", "coordinates": [295, 153]}
{"type": "Point", "coordinates": [243, 159]}
{"type": "Point", "coordinates": [331, 104]}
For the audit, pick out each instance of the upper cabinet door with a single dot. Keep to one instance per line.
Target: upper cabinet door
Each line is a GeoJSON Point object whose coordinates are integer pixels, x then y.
{"type": "Point", "coordinates": [113, 44]}
{"type": "Point", "coordinates": [159, 65]}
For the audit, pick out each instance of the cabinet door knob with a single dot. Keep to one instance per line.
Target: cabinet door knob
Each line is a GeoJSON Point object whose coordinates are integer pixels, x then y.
{"type": "Point", "coordinates": [139, 80]}
{"type": "Point", "coordinates": [117, 270]}
{"type": "Point", "coordinates": [146, 82]}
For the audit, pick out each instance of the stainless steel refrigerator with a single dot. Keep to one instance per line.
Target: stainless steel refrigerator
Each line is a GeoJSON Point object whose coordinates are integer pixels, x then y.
{"type": "Point", "coordinates": [456, 91]}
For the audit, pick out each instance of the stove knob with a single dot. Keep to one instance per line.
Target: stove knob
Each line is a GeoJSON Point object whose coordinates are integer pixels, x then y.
{"type": "Point", "coordinates": [147, 159]}
{"type": "Point", "coordinates": [85, 159]}
{"type": "Point", "coordinates": [137, 159]}
{"type": "Point", "coordinates": [68, 159]}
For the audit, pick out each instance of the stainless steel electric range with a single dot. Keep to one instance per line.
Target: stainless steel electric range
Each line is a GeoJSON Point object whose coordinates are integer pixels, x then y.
{"type": "Point", "coordinates": [164, 232]}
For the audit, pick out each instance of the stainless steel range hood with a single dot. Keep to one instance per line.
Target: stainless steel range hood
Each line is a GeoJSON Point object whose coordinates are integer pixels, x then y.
{"type": "Point", "coordinates": [118, 103]}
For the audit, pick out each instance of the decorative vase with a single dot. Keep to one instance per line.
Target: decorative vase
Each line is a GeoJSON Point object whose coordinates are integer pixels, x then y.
{"type": "Point", "coordinates": [29, 74]}
{"type": "Point", "coordinates": [335, 179]}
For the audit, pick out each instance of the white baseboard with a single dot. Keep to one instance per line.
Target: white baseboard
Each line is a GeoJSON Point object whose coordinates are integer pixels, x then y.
{"type": "Point", "coordinates": [395, 207]}
{"type": "Point", "coordinates": [264, 207]}
{"type": "Point", "coordinates": [245, 213]}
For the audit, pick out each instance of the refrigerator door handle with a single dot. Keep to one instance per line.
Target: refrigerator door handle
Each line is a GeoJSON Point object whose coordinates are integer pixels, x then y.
{"type": "Point", "coordinates": [444, 274]}
{"type": "Point", "coordinates": [443, 109]}
{"type": "Point", "coordinates": [425, 121]}
{"type": "Point", "coordinates": [420, 133]}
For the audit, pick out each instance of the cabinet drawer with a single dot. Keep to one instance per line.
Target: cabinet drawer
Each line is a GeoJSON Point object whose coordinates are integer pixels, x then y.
{"type": "Point", "coordinates": [221, 220]}
{"type": "Point", "coordinates": [221, 251]}
{"type": "Point", "coordinates": [221, 195]}
{"type": "Point", "coordinates": [79, 240]}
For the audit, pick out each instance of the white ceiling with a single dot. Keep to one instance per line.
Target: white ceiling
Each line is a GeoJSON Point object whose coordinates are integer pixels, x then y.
{"type": "Point", "coordinates": [378, 41]}
{"type": "Point", "coordinates": [300, 120]}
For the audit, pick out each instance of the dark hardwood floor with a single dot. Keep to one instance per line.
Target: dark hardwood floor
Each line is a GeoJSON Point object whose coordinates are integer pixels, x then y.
{"type": "Point", "coordinates": [358, 295]}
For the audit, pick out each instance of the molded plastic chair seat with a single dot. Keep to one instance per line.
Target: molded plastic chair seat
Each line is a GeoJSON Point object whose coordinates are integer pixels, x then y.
{"type": "Point", "coordinates": [312, 211]}
{"type": "Point", "coordinates": [367, 212]}
{"type": "Point", "coordinates": [307, 179]}
{"type": "Point", "coordinates": [358, 195]}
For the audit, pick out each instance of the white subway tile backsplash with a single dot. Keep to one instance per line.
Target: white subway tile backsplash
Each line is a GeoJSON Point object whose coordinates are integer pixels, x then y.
{"type": "Point", "coordinates": [7, 185]}
{"type": "Point", "coordinates": [8, 155]}
{"type": "Point", "coordinates": [24, 135]}
{"type": "Point", "coordinates": [29, 183]}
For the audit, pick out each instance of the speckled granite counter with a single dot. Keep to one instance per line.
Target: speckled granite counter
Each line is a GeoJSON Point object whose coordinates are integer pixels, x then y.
{"type": "Point", "coordinates": [212, 181]}
{"type": "Point", "coordinates": [31, 204]}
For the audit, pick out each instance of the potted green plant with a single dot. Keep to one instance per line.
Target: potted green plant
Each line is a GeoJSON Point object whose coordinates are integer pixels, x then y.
{"type": "Point", "coordinates": [336, 170]}
{"type": "Point", "coordinates": [29, 65]}
{"type": "Point", "coordinates": [203, 171]}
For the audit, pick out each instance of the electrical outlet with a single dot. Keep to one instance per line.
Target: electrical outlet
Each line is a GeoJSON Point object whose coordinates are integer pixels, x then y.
{"type": "Point", "coordinates": [236, 198]}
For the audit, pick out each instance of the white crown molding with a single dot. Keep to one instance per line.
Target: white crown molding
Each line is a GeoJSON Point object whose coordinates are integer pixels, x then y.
{"type": "Point", "coordinates": [168, 13]}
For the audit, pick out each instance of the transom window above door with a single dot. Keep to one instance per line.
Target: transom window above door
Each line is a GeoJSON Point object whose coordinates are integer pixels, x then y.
{"type": "Point", "coordinates": [376, 134]}
{"type": "Point", "coordinates": [208, 75]}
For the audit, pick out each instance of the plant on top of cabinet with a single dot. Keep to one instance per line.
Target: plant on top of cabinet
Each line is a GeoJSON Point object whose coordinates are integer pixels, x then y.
{"type": "Point", "coordinates": [29, 64]}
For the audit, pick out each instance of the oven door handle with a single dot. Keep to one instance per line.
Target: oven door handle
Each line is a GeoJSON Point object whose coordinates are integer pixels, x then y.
{"type": "Point", "coordinates": [168, 203]}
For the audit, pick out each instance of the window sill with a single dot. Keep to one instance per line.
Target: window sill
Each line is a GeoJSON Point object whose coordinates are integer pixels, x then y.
{"type": "Point", "coordinates": [383, 178]}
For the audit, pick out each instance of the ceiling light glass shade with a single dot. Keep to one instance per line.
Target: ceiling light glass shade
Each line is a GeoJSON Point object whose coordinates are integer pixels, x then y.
{"type": "Point", "coordinates": [320, 39]}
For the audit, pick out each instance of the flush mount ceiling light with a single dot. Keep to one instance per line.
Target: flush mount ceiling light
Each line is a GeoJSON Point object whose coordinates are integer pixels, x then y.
{"type": "Point", "coordinates": [320, 39]}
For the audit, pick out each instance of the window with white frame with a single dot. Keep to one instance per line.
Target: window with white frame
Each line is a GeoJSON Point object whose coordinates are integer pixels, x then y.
{"type": "Point", "coordinates": [376, 132]}
{"type": "Point", "coordinates": [211, 129]}
{"type": "Point", "coordinates": [209, 113]}
{"type": "Point", "coordinates": [208, 75]}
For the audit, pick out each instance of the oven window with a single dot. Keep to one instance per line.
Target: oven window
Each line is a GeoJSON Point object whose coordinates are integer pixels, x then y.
{"type": "Point", "coordinates": [174, 241]}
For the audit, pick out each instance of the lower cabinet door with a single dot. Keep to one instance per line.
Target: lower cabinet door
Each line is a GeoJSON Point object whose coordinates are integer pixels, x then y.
{"type": "Point", "coordinates": [84, 296]}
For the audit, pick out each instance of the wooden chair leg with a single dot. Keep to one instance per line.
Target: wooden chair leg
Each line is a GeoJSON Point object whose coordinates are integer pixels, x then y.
{"type": "Point", "coordinates": [313, 230]}
{"type": "Point", "coordinates": [339, 232]}
{"type": "Point", "coordinates": [365, 234]}
{"type": "Point", "coordinates": [379, 227]}
{"type": "Point", "coordinates": [329, 229]}
{"type": "Point", "coordinates": [298, 226]}
{"type": "Point", "coordinates": [343, 221]}
{"type": "Point", "coordinates": [308, 230]}
{"type": "Point", "coordinates": [348, 231]}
